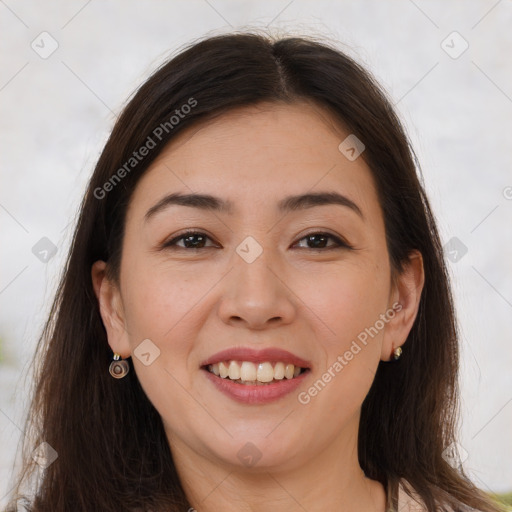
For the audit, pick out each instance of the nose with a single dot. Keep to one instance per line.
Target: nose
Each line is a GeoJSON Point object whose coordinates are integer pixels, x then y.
{"type": "Point", "coordinates": [256, 296]}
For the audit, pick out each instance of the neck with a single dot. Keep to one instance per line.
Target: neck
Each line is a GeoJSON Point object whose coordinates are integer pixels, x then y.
{"type": "Point", "coordinates": [331, 480]}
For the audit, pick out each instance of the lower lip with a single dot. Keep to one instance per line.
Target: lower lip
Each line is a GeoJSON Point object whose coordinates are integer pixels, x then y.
{"type": "Point", "coordinates": [253, 395]}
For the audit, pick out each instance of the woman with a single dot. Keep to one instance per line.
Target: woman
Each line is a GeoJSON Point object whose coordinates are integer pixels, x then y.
{"type": "Point", "coordinates": [257, 261]}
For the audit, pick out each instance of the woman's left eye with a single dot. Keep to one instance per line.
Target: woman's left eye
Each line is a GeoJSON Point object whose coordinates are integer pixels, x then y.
{"type": "Point", "coordinates": [319, 241]}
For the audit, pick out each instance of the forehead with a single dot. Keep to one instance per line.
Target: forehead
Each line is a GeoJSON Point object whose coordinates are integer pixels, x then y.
{"type": "Point", "coordinates": [258, 155]}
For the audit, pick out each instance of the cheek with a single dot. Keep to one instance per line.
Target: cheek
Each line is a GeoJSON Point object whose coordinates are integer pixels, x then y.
{"type": "Point", "coordinates": [161, 305]}
{"type": "Point", "coordinates": [158, 300]}
{"type": "Point", "coordinates": [346, 299]}
{"type": "Point", "coordinates": [348, 303]}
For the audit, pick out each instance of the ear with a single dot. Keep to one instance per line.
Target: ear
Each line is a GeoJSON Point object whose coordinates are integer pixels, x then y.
{"type": "Point", "coordinates": [111, 310]}
{"type": "Point", "coordinates": [405, 295]}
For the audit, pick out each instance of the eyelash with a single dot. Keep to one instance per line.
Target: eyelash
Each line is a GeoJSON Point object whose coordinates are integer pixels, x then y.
{"type": "Point", "coordinates": [340, 243]}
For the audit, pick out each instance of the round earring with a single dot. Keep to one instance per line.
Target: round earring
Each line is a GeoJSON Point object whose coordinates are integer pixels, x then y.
{"type": "Point", "coordinates": [118, 368]}
{"type": "Point", "coordinates": [397, 353]}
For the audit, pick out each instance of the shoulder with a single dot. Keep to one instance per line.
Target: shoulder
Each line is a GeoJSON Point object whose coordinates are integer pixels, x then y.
{"type": "Point", "coordinates": [407, 503]}
{"type": "Point", "coordinates": [414, 503]}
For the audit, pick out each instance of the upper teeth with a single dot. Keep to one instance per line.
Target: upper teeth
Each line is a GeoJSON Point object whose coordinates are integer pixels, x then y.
{"type": "Point", "coordinates": [250, 372]}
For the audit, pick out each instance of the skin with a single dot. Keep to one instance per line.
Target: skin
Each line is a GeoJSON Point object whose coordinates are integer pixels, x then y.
{"type": "Point", "coordinates": [192, 303]}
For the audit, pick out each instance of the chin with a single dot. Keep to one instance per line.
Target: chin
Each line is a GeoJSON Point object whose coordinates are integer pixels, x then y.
{"type": "Point", "coordinates": [257, 453]}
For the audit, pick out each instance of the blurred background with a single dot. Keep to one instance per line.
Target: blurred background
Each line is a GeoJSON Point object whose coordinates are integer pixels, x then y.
{"type": "Point", "coordinates": [69, 66]}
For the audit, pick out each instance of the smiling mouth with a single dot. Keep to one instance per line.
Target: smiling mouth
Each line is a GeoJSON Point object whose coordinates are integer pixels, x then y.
{"type": "Point", "coordinates": [255, 374]}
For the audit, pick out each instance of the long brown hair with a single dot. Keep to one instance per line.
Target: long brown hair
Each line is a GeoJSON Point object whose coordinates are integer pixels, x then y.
{"type": "Point", "coordinates": [112, 450]}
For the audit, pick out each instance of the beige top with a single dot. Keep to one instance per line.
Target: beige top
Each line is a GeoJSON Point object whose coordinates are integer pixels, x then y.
{"type": "Point", "coordinates": [408, 504]}
{"type": "Point", "coordinates": [414, 504]}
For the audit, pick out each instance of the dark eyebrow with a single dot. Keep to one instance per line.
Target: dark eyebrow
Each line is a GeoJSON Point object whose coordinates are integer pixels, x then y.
{"type": "Point", "coordinates": [290, 203]}
{"type": "Point", "coordinates": [310, 200]}
{"type": "Point", "coordinates": [201, 201]}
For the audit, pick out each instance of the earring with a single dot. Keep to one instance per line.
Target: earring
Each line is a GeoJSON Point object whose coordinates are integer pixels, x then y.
{"type": "Point", "coordinates": [118, 368]}
{"type": "Point", "coordinates": [397, 353]}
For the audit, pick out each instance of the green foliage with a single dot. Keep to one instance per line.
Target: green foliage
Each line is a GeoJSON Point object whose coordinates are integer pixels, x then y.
{"type": "Point", "coordinates": [503, 499]}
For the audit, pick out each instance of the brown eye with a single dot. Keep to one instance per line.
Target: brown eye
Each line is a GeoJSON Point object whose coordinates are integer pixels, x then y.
{"type": "Point", "coordinates": [319, 241]}
{"type": "Point", "coordinates": [191, 240]}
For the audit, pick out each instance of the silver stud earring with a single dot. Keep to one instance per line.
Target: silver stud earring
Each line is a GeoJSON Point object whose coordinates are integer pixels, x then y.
{"type": "Point", "coordinates": [118, 368]}
{"type": "Point", "coordinates": [397, 353]}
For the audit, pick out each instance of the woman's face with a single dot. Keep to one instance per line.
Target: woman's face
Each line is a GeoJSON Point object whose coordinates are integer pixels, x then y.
{"type": "Point", "coordinates": [267, 277]}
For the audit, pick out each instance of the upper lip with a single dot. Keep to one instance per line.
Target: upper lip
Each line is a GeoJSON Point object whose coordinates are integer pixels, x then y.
{"type": "Point", "coordinates": [256, 356]}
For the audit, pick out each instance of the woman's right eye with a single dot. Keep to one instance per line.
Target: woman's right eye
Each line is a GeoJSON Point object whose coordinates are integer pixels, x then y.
{"type": "Point", "coordinates": [191, 240]}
